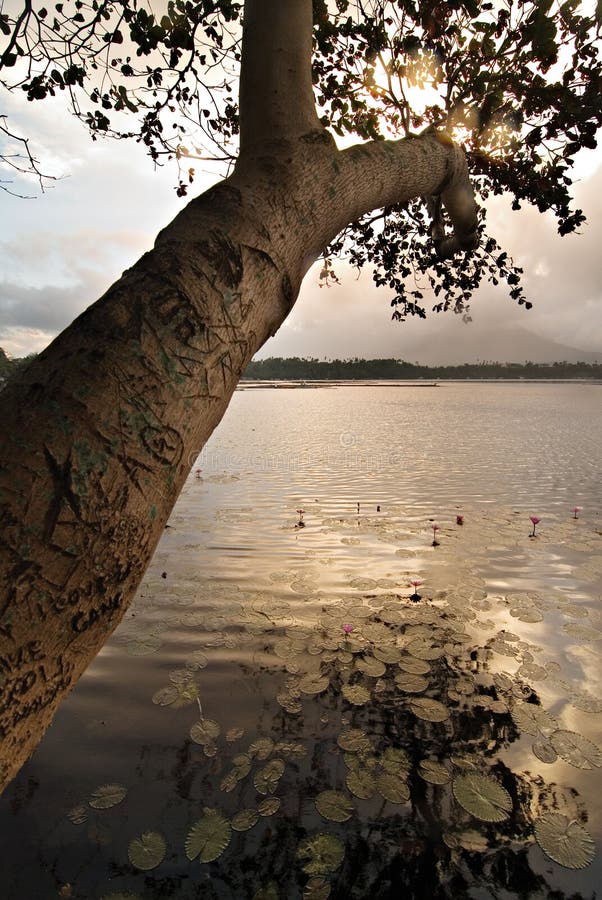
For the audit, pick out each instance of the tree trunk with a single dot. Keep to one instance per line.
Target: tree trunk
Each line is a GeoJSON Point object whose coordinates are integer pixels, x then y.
{"type": "Point", "coordinates": [100, 432]}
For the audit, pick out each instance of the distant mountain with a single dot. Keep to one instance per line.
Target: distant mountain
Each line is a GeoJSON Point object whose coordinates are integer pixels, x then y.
{"type": "Point", "coordinates": [511, 344]}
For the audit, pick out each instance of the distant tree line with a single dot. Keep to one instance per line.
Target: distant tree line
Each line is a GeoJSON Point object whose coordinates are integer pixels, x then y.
{"type": "Point", "coordinates": [296, 369]}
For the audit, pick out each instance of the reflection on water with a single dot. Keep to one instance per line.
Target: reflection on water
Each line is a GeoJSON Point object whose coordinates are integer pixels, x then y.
{"type": "Point", "coordinates": [344, 709]}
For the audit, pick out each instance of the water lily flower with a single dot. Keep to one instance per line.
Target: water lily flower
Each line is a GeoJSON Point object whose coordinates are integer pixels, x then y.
{"type": "Point", "coordinates": [347, 629]}
{"type": "Point", "coordinates": [535, 520]}
{"type": "Point", "coordinates": [459, 520]}
{"type": "Point", "coordinates": [576, 509]}
{"type": "Point", "coordinates": [415, 596]}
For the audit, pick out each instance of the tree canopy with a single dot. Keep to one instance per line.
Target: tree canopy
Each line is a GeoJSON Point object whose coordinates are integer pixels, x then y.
{"type": "Point", "coordinates": [516, 82]}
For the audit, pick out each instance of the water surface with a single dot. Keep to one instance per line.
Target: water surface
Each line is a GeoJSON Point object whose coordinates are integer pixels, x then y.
{"type": "Point", "coordinates": [264, 664]}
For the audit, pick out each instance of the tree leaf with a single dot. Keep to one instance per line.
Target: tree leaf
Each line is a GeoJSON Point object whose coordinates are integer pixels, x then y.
{"type": "Point", "coordinates": [209, 836]}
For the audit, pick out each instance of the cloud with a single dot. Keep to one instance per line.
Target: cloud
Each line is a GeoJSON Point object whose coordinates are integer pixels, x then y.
{"type": "Point", "coordinates": [62, 251]}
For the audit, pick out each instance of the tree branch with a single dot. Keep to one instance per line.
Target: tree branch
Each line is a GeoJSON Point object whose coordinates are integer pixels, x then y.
{"type": "Point", "coordinates": [386, 173]}
{"type": "Point", "coordinates": [276, 91]}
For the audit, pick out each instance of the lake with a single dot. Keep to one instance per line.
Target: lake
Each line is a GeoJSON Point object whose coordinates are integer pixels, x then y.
{"type": "Point", "coordinates": [360, 705]}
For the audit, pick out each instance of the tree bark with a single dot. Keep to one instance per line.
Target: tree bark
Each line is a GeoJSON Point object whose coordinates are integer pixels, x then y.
{"type": "Point", "coordinates": [100, 432]}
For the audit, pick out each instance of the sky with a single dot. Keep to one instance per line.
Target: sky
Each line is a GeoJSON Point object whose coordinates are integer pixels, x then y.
{"type": "Point", "coordinates": [63, 249]}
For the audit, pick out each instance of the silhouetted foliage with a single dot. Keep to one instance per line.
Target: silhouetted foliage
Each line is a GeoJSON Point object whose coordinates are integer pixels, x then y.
{"type": "Point", "coordinates": [517, 83]}
{"type": "Point", "coordinates": [295, 369]}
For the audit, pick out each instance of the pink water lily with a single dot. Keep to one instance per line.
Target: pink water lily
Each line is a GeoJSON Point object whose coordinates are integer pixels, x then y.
{"type": "Point", "coordinates": [535, 520]}
{"type": "Point", "coordinates": [576, 509]}
{"type": "Point", "coordinates": [415, 596]}
{"type": "Point", "coordinates": [459, 520]}
{"type": "Point", "coordinates": [347, 629]}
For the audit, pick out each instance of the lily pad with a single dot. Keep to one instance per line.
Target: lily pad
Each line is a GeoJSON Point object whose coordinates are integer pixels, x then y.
{"type": "Point", "coordinates": [321, 854]}
{"type": "Point", "coordinates": [482, 797]}
{"type": "Point", "coordinates": [414, 665]}
{"type": "Point", "coordinates": [576, 749]}
{"type": "Point", "coordinates": [316, 889]}
{"type": "Point", "coordinates": [147, 851]}
{"type": "Point", "coordinates": [313, 684]}
{"type": "Point", "coordinates": [78, 815]}
{"type": "Point", "coordinates": [107, 795]}
{"type": "Point", "coordinates": [361, 783]}
{"type": "Point", "coordinates": [245, 819]}
{"type": "Point", "coordinates": [434, 772]}
{"type": "Point", "coordinates": [165, 696]}
{"type": "Point", "coordinates": [586, 702]}
{"type": "Point", "coordinates": [387, 653]}
{"type": "Point", "coordinates": [582, 632]}
{"type": "Point", "coordinates": [266, 779]}
{"type": "Point", "coordinates": [355, 694]}
{"type": "Point", "coordinates": [421, 648]}
{"type": "Point", "coordinates": [429, 709]}
{"type": "Point", "coordinates": [334, 806]}
{"type": "Point", "coordinates": [204, 731]}
{"type": "Point", "coordinates": [196, 661]}
{"type": "Point", "coordinates": [233, 734]}
{"type": "Point", "coordinates": [411, 684]}
{"type": "Point", "coordinates": [396, 761]}
{"type": "Point", "coordinates": [392, 788]}
{"type": "Point", "coordinates": [564, 841]}
{"type": "Point", "coordinates": [209, 836]}
{"type": "Point", "coordinates": [261, 748]}
{"type": "Point", "coordinates": [531, 719]}
{"type": "Point", "coordinates": [354, 740]}
{"type": "Point", "coordinates": [545, 752]}
{"type": "Point", "coordinates": [121, 895]}
{"type": "Point", "coordinates": [371, 666]}
{"type": "Point", "coordinates": [269, 806]}
{"type": "Point", "coordinates": [143, 646]}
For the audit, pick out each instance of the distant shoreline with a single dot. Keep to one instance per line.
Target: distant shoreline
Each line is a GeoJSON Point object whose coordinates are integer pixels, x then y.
{"type": "Point", "coordinates": [296, 383]}
{"type": "Point", "coordinates": [325, 371]}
